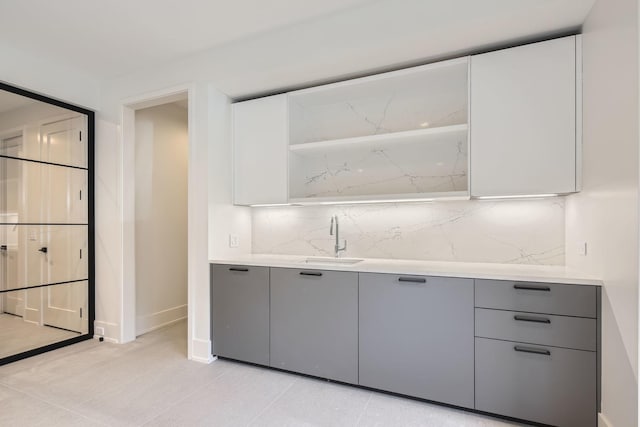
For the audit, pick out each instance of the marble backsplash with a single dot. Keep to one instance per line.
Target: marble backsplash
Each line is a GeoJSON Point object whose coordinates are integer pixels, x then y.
{"type": "Point", "coordinates": [506, 231]}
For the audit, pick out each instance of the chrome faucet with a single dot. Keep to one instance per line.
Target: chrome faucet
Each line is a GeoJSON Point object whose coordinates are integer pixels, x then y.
{"type": "Point", "coordinates": [337, 248]}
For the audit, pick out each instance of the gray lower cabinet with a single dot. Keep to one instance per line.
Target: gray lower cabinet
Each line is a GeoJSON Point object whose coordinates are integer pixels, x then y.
{"type": "Point", "coordinates": [314, 323]}
{"type": "Point", "coordinates": [417, 336]}
{"type": "Point", "coordinates": [240, 302]}
{"type": "Point", "coordinates": [547, 385]}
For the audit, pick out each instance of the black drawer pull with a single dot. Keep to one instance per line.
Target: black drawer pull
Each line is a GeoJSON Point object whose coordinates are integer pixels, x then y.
{"type": "Point", "coordinates": [311, 273]}
{"type": "Point", "coordinates": [531, 319]}
{"type": "Point", "coordinates": [3, 247]}
{"type": "Point", "coordinates": [238, 269]}
{"type": "Point", "coordinates": [532, 350]}
{"type": "Point", "coordinates": [412, 279]}
{"type": "Point", "coordinates": [532, 287]}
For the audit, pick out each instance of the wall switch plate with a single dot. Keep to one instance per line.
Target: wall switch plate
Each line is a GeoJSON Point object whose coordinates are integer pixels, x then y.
{"type": "Point", "coordinates": [582, 248]}
{"type": "Point", "coordinates": [234, 240]}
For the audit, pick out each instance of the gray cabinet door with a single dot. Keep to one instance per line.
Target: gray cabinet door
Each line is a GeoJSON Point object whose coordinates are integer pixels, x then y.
{"type": "Point", "coordinates": [314, 323]}
{"type": "Point", "coordinates": [547, 385]}
{"type": "Point", "coordinates": [240, 302]}
{"type": "Point", "coordinates": [416, 338]}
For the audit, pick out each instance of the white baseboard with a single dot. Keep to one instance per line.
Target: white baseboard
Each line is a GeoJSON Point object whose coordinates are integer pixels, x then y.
{"type": "Point", "coordinates": [111, 331]}
{"type": "Point", "coordinates": [603, 421]}
{"type": "Point", "coordinates": [32, 315]}
{"type": "Point", "coordinates": [153, 321]}
{"type": "Point", "coordinates": [201, 351]}
{"type": "Point", "coordinates": [107, 339]}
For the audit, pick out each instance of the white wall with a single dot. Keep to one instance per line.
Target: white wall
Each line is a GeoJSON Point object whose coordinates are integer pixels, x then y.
{"type": "Point", "coordinates": [161, 138]}
{"type": "Point", "coordinates": [211, 217]}
{"type": "Point", "coordinates": [605, 213]}
{"type": "Point", "coordinates": [45, 76]}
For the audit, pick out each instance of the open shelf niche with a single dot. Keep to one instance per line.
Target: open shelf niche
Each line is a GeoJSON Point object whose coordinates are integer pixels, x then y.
{"type": "Point", "coordinates": [398, 135]}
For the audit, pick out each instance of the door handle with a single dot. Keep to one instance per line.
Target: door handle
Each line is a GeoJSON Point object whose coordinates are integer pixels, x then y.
{"type": "Point", "coordinates": [43, 250]}
{"type": "Point", "coordinates": [532, 350]}
{"type": "Point", "coordinates": [533, 319]}
{"type": "Point", "coordinates": [532, 288]}
{"type": "Point", "coordinates": [412, 279]}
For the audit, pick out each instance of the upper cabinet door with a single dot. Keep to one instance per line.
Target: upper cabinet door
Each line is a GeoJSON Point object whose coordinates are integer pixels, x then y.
{"type": "Point", "coordinates": [523, 120]}
{"type": "Point", "coordinates": [260, 141]}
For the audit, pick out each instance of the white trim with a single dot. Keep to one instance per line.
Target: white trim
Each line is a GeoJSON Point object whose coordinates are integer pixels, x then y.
{"type": "Point", "coordinates": [160, 319]}
{"type": "Point", "coordinates": [111, 331]}
{"type": "Point", "coordinates": [579, 113]}
{"type": "Point", "coordinates": [603, 421]}
{"type": "Point", "coordinates": [128, 290]}
{"type": "Point", "coordinates": [202, 351]}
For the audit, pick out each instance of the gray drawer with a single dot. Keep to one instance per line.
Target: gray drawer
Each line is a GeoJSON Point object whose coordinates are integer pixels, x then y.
{"type": "Point", "coordinates": [549, 298]}
{"type": "Point", "coordinates": [557, 389]}
{"type": "Point", "coordinates": [560, 331]}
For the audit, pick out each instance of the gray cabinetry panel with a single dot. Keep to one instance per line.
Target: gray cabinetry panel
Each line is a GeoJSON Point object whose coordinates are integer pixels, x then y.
{"type": "Point", "coordinates": [557, 389]}
{"type": "Point", "coordinates": [544, 329]}
{"type": "Point", "coordinates": [417, 338]}
{"type": "Point", "coordinates": [550, 298]}
{"type": "Point", "coordinates": [314, 323]}
{"type": "Point", "coordinates": [240, 302]}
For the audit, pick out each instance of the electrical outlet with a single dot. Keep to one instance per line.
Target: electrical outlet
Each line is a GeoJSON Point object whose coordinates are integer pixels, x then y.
{"type": "Point", "coordinates": [582, 248]}
{"type": "Point", "coordinates": [234, 240]}
{"type": "Point", "coordinates": [99, 331]}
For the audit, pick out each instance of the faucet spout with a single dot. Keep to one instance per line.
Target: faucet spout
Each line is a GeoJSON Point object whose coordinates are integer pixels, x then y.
{"type": "Point", "coordinates": [337, 248]}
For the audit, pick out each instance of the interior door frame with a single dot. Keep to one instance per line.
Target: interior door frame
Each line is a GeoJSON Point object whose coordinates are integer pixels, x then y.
{"type": "Point", "coordinates": [128, 108]}
{"type": "Point", "coordinates": [90, 114]}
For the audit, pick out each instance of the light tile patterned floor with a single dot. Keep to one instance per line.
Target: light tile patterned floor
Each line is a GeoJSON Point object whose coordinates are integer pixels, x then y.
{"type": "Point", "coordinates": [149, 382]}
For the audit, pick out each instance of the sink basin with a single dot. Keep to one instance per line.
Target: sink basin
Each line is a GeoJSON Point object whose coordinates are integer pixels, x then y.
{"type": "Point", "coordinates": [334, 261]}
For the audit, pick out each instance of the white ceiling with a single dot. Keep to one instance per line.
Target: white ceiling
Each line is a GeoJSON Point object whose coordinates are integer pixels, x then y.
{"type": "Point", "coordinates": [10, 101]}
{"type": "Point", "coordinates": [266, 45]}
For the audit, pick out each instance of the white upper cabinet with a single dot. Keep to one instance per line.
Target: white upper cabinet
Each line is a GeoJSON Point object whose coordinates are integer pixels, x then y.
{"type": "Point", "coordinates": [397, 135]}
{"type": "Point", "coordinates": [260, 138]}
{"type": "Point", "coordinates": [524, 121]}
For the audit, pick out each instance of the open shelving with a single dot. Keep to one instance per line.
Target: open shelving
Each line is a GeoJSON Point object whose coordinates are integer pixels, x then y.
{"type": "Point", "coordinates": [394, 136]}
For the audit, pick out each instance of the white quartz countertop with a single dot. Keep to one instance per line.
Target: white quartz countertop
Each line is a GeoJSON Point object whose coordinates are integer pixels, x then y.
{"type": "Point", "coordinates": [516, 272]}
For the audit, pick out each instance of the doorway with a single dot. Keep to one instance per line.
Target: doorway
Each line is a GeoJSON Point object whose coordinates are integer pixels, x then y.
{"type": "Point", "coordinates": [160, 218]}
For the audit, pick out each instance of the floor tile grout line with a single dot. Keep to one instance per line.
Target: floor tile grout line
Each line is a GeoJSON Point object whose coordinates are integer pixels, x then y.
{"type": "Point", "coordinates": [182, 399]}
{"type": "Point", "coordinates": [272, 402]}
{"type": "Point", "coordinates": [55, 405]}
{"type": "Point", "coordinates": [364, 409]}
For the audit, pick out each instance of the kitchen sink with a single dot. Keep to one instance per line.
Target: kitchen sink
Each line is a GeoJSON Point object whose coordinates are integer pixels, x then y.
{"type": "Point", "coordinates": [334, 261]}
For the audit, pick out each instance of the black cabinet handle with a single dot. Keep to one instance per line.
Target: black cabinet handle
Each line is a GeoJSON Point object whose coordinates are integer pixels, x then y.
{"type": "Point", "coordinates": [412, 279]}
{"type": "Point", "coordinates": [533, 350]}
{"type": "Point", "coordinates": [532, 287]}
{"type": "Point", "coordinates": [3, 247]}
{"type": "Point", "coordinates": [238, 269]}
{"type": "Point", "coordinates": [43, 250]}
{"type": "Point", "coordinates": [533, 319]}
{"type": "Point", "coordinates": [311, 273]}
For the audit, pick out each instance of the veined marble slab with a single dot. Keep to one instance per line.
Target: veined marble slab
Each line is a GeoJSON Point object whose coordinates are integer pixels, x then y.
{"type": "Point", "coordinates": [504, 232]}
